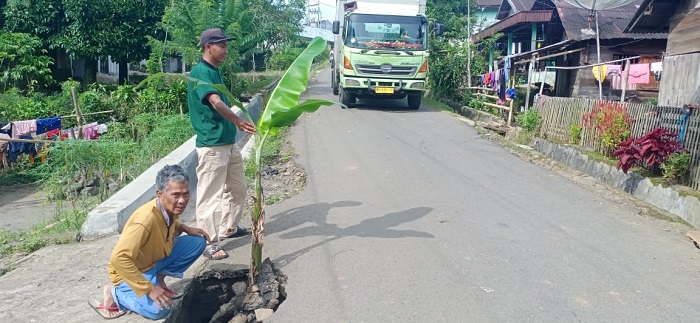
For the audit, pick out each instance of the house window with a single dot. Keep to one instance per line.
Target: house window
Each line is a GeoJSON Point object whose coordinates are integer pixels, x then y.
{"type": "Point", "coordinates": [620, 56]}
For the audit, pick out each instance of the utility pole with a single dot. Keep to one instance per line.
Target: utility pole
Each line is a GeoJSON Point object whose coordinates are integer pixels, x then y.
{"type": "Point", "coordinates": [469, 41]}
{"type": "Point", "coordinates": [313, 14]}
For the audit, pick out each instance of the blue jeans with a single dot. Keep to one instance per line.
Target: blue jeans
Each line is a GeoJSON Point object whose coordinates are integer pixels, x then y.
{"type": "Point", "coordinates": [185, 251]}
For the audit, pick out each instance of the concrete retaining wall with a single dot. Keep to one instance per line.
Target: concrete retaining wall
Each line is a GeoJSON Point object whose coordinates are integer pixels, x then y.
{"type": "Point", "coordinates": [110, 216]}
{"type": "Point", "coordinates": [668, 199]}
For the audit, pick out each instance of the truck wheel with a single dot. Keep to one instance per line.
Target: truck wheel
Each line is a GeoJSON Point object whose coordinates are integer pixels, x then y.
{"type": "Point", "coordinates": [346, 98]}
{"type": "Point", "coordinates": [414, 101]}
{"type": "Point", "coordinates": [334, 83]}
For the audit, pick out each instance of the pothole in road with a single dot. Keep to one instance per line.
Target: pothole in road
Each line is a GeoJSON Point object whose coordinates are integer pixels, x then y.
{"type": "Point", "coordinates": [222, 296]}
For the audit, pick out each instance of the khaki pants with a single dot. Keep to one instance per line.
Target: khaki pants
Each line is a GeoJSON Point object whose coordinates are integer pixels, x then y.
{"type": "Point", "coordinates": [221, 184]}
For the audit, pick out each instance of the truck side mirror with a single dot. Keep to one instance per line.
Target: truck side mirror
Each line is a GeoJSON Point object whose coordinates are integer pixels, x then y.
{"type": "Point", "coordinates": [439, 29]}
{"type": "Point", "coordinates": [336, 27]}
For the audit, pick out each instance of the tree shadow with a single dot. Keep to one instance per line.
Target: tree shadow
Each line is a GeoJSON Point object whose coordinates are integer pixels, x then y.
{"type": "Point", "coordinates": [382, 227]}
{"type": "Point", "coordinates": [379, 227]}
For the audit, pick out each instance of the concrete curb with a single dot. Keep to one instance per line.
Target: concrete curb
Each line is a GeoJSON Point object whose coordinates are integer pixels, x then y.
{"type": "Point", "coordinates": [686, 208]}
{"type": "Point", "coordinates": [110, 216]}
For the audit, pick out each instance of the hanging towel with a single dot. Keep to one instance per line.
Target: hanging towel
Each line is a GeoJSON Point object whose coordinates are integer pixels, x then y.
{"type": "Point", "coordinates": [23, 127]}
{"type": "Point", "coordinates": [599, 72]}
{"type": "Point", "coordinates": [639, 74]}
{"type": "Point", "coordinates": [614, 70]}
{"type": "Point", "coordinates": [507, 65]}
{"type": "Point", "coordinates": [101, 128]}
{"type": "Point", "coordinates": [502, 86]}
{"type": "Point", "coordinates": [657, 67]}
{"type": "Point", "coordinates": [6, 128]}
{"type": "Point", "coordinates": [45, 125]}
{"type": "Point", "coordinates": [18, 148]}
{"type": "Point", "coordinates": [496, 79]}
{"type": "Point", "coordinates": [511, 93]}
{"type": "Point", "coordinates": [487, 79]}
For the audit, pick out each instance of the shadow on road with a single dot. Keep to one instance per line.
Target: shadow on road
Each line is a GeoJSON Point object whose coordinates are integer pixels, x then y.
{"type": "Point", "coordinates": [378, 227]}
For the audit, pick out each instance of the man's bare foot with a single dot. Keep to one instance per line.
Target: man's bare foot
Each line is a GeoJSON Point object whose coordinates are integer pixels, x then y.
{"type": "Point", "coordinates": [108, 300]}
{"type": "Point", "coordinates": [108, 309]}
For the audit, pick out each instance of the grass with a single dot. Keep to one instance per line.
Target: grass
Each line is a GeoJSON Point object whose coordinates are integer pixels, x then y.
{"type": "Point", "coordinates": [17, 176]}
{"type": "Point", "coordinates": [63, 228]}
{"type": "Point", "coordinates": [437, 104]}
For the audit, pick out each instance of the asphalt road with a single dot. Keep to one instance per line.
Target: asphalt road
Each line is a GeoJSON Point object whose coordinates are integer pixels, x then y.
{"type": "Point", "coordinates": [410, 216]}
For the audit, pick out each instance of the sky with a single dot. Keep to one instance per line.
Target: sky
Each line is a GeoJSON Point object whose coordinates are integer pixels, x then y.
{"type": "Point", "coordinates": [327, 8]}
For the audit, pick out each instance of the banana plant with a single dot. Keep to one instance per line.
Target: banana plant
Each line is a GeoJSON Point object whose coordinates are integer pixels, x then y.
{"type": "Point", "coordinates": [282, 109]}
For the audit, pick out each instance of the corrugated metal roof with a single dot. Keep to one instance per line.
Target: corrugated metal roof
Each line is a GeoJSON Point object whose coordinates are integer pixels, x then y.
{"type": "Point", "coordinates": [611, 23]}
{"type": "Point", "coordinates": [520, 17]}
{"type": "Point", "coordinates": [652, 16]}
{"type": "Point", "coordinates": [488, 3]}
{"type": "Point", "coordinates": [522, 5]}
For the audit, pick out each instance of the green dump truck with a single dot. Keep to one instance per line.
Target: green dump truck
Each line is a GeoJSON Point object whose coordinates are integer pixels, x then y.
{"type": "Point", "coordinates": [381, 50]}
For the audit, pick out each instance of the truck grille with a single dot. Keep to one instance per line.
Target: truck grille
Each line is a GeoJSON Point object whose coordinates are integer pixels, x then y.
{"type": "Point", "coordinates": [395, 70]}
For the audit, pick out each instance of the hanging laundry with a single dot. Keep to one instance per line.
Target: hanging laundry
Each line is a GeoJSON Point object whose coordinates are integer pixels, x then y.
{"type": "Point", "coordinates": [47, 124]}
{"type": "Point", "coordinates": [614, 70]}
{"type": "Point", "coordinates": [507, 65]}
{"type": "Point", "coordinates": [599, 72]}
{"type": "Point", "coordinates": [502, 86]}
{"type": "Point", "coordinates": [23, 127]}
{"type": "Point", "coordinates": [639, 74]}
{"type": "Point", "coordinates": [4, 146]}
{"type": "Point", "coordinates": [511, 93]}
{"type": "Point", "coordinates": [101, 128]}
{"type": "Point", "coordinates": [6, 128]}
{"type": "Point", "coordinates": [18, 148]}
{"type": "Point", "coordinates": [89, 131]}
{"type": "Point", "coordinates": [487, 79]}
{"type": "Point", "coordinates": [496, 80]}
{"type": "Point", "coordinates": [656, 69]}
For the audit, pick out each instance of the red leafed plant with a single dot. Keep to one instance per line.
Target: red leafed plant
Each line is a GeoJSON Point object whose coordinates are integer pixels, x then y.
{"type": "Point", "coordinates": [650, 151]}
{"type": "Point", "coordinates": [611, 124]}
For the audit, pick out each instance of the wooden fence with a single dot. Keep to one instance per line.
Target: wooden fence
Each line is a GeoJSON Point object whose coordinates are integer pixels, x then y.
{"type": "Point", "coordinates": [560, 114]}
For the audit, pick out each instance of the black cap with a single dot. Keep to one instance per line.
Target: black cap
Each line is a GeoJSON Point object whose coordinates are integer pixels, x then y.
{"type": "Point", "coordinates": [213, 35]}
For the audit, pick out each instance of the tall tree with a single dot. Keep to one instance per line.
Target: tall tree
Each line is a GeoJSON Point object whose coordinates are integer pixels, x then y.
{"type": "Point", "coordinates": [90, 29]}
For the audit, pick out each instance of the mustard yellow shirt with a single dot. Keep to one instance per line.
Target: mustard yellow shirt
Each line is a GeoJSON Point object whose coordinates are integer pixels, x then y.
{"type": "Point", "coordinates": [145, 240]}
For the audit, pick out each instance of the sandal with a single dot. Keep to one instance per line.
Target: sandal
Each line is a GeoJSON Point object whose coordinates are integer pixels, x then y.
{"type": "Point", "coordinates": [240, 232]}
{"type": "Point", "coordinates": [212, 250]}
{"type": "Point", "coordinates": [107, 312]}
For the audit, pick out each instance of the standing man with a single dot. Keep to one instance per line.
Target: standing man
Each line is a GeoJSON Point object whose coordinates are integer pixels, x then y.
{"type": "Point", "coordinates": [150, 247]}
{"type": "Point", "coordinates": [220, 174]}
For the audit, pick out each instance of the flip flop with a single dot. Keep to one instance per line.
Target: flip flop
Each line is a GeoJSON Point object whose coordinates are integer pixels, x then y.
{"type": "Point", "coordinates": [107, 312]}
{"type": "Point", "coordinates": [174, 293]}
{"type": "Point", "coordinates": [213, 249]}
{"type": "Point", "coordinates": [240, 232]}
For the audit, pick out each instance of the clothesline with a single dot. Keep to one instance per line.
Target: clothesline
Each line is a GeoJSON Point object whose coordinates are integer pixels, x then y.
{"type": "Point", "coordinates": [590, 65]}
{"type": "Point", "coordinates": [34, 141]}
{"type": "Point", "coordinates": [87, 114]}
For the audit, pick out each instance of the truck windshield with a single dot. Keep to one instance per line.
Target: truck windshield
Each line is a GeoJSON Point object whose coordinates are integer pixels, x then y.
{"type": "Point", "coordinates": [386, 32]}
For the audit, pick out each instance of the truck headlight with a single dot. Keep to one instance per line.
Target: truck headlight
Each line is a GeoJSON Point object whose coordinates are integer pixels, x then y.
{"type": "Point", "coordinates": [417, 85]}
{"type": "Point", "coordinates": [351, 82]}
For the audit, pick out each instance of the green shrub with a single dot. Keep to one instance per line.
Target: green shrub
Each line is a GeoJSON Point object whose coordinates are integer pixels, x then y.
{"type": "Point", "coordinates": [282, 59]}
{"type": "Point", "coordinates": [676, 166]}
{"type": "Point", "coordinates": [529, 119]}
{"type": "Point", "coordinates": [575, 134]}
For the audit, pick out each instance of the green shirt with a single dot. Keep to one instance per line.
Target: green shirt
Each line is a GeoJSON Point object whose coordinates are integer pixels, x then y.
{"type": "Point", "coordinates": [211, 127]}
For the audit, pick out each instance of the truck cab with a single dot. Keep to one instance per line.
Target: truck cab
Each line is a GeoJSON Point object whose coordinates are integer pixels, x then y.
{"type": "Point", "coordinates": [381, 51]}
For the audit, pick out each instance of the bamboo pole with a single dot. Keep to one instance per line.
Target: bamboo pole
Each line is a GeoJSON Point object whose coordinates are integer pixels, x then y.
{"type": "Point", "coordinates": [78, 114]}
{"type": "Point", "coordinates": [33, 141]}
{"type": "Point", "coordinates": [87, 114]}
{"type": "Point", "coordinates": [625, 77]}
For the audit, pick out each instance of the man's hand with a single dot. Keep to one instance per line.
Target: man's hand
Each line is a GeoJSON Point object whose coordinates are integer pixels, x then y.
{"type": "Point", "coordinates": [161, 297]}
{"type": "Point", "coordinates": [195, 232]}
{"type": "Point", "coordinates": [246, 126]}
